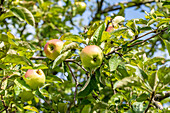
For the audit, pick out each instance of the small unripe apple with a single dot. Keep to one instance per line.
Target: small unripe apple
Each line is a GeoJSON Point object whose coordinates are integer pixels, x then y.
{"type": "Point", "coordinates": [81, 7]}
{"type": "Point", "coordinates": [52, 48]}
{"type": "Point", "coordinates": [91, 56]}
{"type": "Point", "coordinates": [34, 78]}
{"type": "Point", "coordinates": [110, 29]}
{"type": "Point", "coordinates": [26, 95]}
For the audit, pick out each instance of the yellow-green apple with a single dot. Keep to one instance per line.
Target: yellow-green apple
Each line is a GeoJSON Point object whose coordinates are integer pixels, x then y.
{"type": "Point", "coordinates": [26, 95]}
{"type": "Point", "coordinates": [34, 78]}
{"type": "Point", "coordinates": [91, 56]}
{"type": "Point", "coordinates": [80, 6]}
{"type": "Point", "coordinates": [52, 48]}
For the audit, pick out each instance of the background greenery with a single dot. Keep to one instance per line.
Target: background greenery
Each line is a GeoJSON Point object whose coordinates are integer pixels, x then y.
{"type": "Point", "coordinates": [130, 78]}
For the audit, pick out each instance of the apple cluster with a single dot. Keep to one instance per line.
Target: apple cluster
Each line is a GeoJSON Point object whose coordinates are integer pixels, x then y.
{"type": "Point", "coordinates": [91, 56]}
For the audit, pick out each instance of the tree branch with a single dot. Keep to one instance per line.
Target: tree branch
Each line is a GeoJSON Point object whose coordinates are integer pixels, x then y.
{"type": "Point", "coordinates": [117, 5]}
{"type": "Point", "coordinates": [75, 79]}
{"type": "Point", "coordinates": [154, 31]}
{"type": "Point", "coordinates": [150, 101]}
{"type": "Point", "coordinates": [67, 60]}
{"type": "Point", "coordinates": [99, 8]}
{"type": "Point", "coordinates": [148, 38]}
{"type": "Point", "coordinates": [160, 97]}
{"type": "Point", "coordinates": [157, 104]}
{"type": "Point", "coordinates": [115, 50]}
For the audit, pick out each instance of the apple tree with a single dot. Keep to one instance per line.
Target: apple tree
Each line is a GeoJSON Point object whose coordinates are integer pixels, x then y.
{"type": "Point", "coordinates": [84, 56]}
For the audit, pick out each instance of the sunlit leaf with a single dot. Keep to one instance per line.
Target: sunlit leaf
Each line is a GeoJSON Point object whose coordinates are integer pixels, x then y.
{"type": "Point", "coordinates": [96, 37]}
{"type": "Point", "coordinates": [6, 15]}
{"type": "Point", "coordinates": [31, 108]}
{"type": "Point", "coordinates": [22, 84]}
{"type": "Point", "coordinates": [113, 63]}
{"type": "Point", "coordinates": [127, 82]}
{"type": "Point", "coordinates": [70, 46]}
{"type": "Point", "coordinates": [24, 14]}
{"type": "Point", "coordinates": [167, 43]}
{"type": "Point", "coordinates": [62, 57]}
{"type": "Point", "coordinates": [71, 37]}
{"type": "Point", "coordinates": [12, 58]}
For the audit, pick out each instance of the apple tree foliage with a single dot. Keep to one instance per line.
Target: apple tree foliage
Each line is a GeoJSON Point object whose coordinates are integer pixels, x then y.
{"type": "Point", "coordinates": [133, 78]}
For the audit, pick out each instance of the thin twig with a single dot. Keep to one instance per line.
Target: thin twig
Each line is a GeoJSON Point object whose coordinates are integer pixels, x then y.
{"type": "Point", "coordinates": [108, 24]}
{"type": "Point", "coordinates": [150, 101]}
{"type": "Point", "coordinates": [81, 67]}
{"type": "Point", "coordinates": [75, 79]}
{"type": "Point", "coordinates": [6, 107]}
{"type": "Point", "coordinates": [142, 36]}
{"type": "Point", "coordinates": [2, 110]}
{"type": "Point", "coordinates": [67, 60]}
{"type": "Point", "coordinates": [22, 31]}
{"type": "Point", "coordinates": [148, 38]}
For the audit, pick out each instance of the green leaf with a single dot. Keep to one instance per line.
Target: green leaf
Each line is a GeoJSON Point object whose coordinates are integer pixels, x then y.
{"type": "Point", "coordinates": [164, 74]}
{"type": "Point", "coordinates": [96, 37]}
{"type": "Point", "coordinates": [71, 37]}
{"type": "Point", "coordinates": [44, 92]}
{"type": "Point", "coordinates": [31, 108]}
{"type": "Point", "coordinates": [6, 15]}
{"type": "Point", "coordinates": [105, 36]}
{"type": "Point", "coordinates": [166, 4]}
{"type": "Point", "coordinates": [17, 90]}
{"type": "Point", "coordinates": [3, 38]}
{"type": "Point", "coordinates": [70, 46]}
{"type": "Point", "coordinates": [11, 39]}
{"type": "Point", "coordinates": [113, 63]}
{"type": "Point", "coordinates": [18, 13]}
{"type": "Point", "coordinates": [101, 105]}
{"type": "Point", "coordinates": [149, 62]}
{"type": "Point", "coordinates": [152, 79]}
{"type": "Point", "coordinates": [167, 78]}
{"type": "Point", "coordinates": [86, 109]}
{"type": "Point", "coordinates": [4, 84]}
{"type": "Point", "coordinates": [62, 107]}
{"type": "Point", "coordinates": [139, 72]}
{"type": "Point", "coordinates": [62, 57]}
{"type": "Point", "coordinates": [39, 94]}
{"type": "Point", "coordinates": [24, 14]}
{"type": "Point", "coordinates": [119, 31]}
{"type": "Point", "coordinates": [167, 43]}
{"type": "Point", "coordinates": [12, 58]}
{"type": "Point", "coordinates": [139, 107]}
{"type": "Point", "coordinates": [54, 78]}
{"type": "Point", "coordinates": [121, 69]}
{"type": "Point", "coordinates": [93, 28]}
{"type": "Point", "coordinates": [89, 86]}
{"type": "Point", "coordinates": [127, 82]}
{"type": "Point", "coordinates": [21, 84]}
{"type": "Point", "coordinates": [142, 97]}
